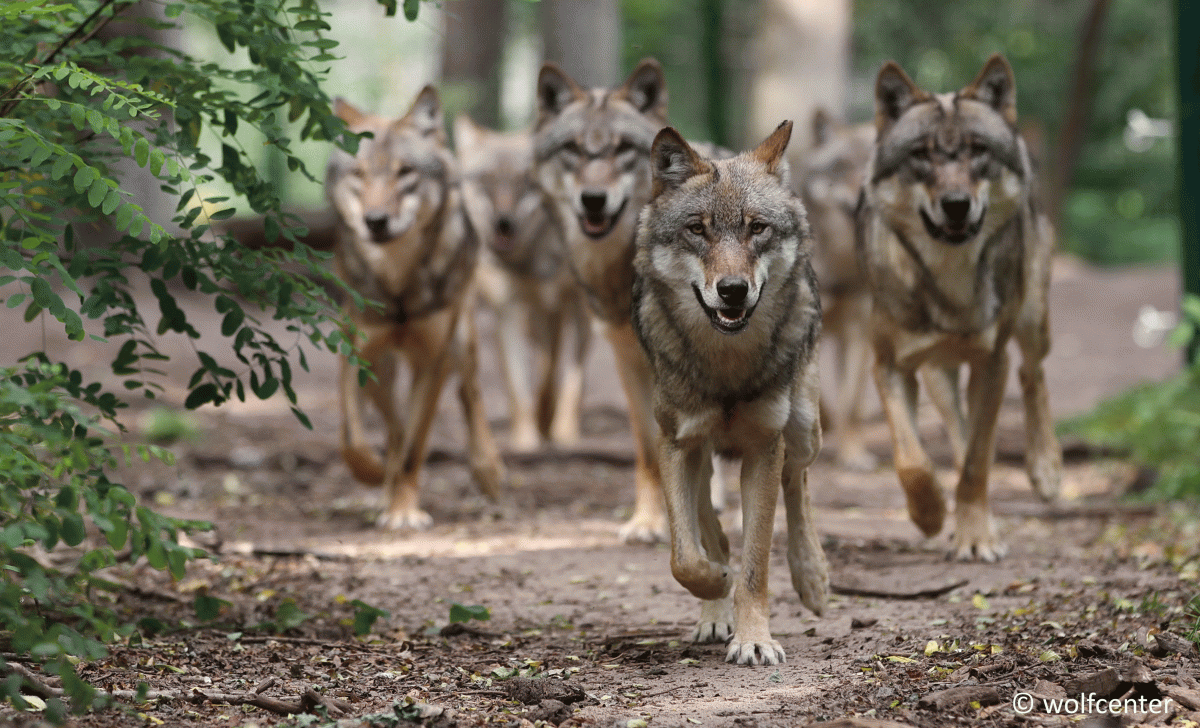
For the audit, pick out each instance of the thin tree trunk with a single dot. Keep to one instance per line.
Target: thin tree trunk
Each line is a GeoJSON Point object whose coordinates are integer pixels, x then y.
{"type": "Point", "coordinates": [471, 56]}
{"type": "Point", "coordinates": [1079, 110]}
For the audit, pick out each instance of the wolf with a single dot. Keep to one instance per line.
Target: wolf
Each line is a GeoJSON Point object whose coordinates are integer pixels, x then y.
{"type": "Point", "coordinates": [830, 181]}
{"type": "Point", "coordinates": [404, 240]}
{"type": "Point", "coordinates": [592, 158]}
{"type": "Point", "coordinates": [958, 260]}
{"type": "Point", "coordinates": [522, 277]}
{"type": "Point", "coordinates": [727, 309]}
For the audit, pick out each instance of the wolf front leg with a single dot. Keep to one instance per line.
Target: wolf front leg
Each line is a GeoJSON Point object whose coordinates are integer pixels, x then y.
{"type": "Point", "coordinates": [898, 394]}
{"type": "Point", "coordinates": [974, 533]}
{"type": "Point", "coordinates": [699, 549]}
{"type": "Point", "coordinates": [762, 470]}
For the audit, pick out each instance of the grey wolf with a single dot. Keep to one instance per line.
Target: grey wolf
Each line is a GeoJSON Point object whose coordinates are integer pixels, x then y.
{"type": "Point", "coordinates": [523, 279]}
{"type": "Point", "coordinates": [592, 158]}
{"type": "Point", "coordinates": [830, 181]}
{"type": "Point", "coordinates": [727, 309]}
{"type": "Point", "coordinates": [958, 260]}
{"type": "Point", "coordinates": [404, 240]}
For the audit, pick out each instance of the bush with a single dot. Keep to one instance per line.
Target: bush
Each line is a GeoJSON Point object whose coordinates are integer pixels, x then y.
{"type": "Point", "coordinates": [79, 109]}
{"type": "Point", "coordinates": [1157, 424]}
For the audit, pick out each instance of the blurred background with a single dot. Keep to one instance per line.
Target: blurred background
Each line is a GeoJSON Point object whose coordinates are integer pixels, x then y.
{"type": "Point", "coordinates": [1095, 80]}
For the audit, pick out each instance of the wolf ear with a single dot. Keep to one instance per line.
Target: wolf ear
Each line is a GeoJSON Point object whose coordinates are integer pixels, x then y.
{"type": "Point", "coordinates": [555, 89]}
{"type": "Point", "coordinates": [674, 160]}
{"type": "Point", "coordinates": [467, 134]}
{"type": "Point", "coordinates": [895, 93]}
{"type": "Point", "coordinates": [822, 126]}
{"type": "Point", "coordinates": [426, 114]}
{"type": "Point", "coordinates": [646, 88]}
{"type": "Point", "coordinates": [347, 112]}
{"type": "Point", "coordinates": [997, 87]}
{"type": "Point", "coordinates": [770, 152]}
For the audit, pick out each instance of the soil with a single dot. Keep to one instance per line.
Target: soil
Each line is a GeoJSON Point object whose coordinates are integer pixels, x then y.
{"type": "Point", "coordinates": [583, 630]}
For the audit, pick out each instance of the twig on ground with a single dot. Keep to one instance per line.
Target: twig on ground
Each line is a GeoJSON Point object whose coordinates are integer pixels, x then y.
{"type": "Point", "coordinates": [883, 593]}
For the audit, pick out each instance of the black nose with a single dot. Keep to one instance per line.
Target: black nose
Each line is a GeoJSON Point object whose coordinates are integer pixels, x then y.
{"type": "Point", "coordinates": [593, 202]}
{"type": "Point", "coordinates": [733, 290]}
{"type": "Point", "coordinates": [377, 222]}
{"type": "Point", "coordinates": [956, 208]}
{"type": "Point", "coordinates": [504, 226]}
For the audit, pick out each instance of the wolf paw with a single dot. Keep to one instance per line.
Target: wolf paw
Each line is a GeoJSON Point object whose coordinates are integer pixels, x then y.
{"type": "Point", "coordinates": [408, 520]}
{"type": "Point", "coordinates": [1045, 476]}
{"type": "Point", "coordinates": [764, 652]}
{"type": "Point", "coordinates": [644, 529]}
{"type": "Point", "coordinates": [975, 536]}
{"type": "Point", "coordinates": [858, 459]}
{"type": "Point", "coordinates": [716, 621]}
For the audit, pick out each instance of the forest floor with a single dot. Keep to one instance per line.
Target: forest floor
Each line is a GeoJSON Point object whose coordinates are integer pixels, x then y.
{"type": "Point", "coordinates": [587, 631]}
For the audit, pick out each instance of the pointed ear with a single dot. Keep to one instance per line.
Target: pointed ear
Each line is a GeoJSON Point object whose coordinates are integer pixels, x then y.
{"type": "Point", "coordinates": [467, 134]}
{"type": "Point", "coordinates": [822, 126]}
{"type": "Point", "coordinates": [426, 114]}
{"type": "Point", "coordinates": [674, 160]}
{"type": "Point", "coordinates": [770, 152]}
{"type": "Point", "coordinates": [646, 89]}
{"type": "Point", "coordinates": [555, 89]}
{"type": "Point", "coordinates": [895, 93]}
{"type": "Point", "coordinates": [347, 112]}
{"type": "Point", "coordinates": [997, 87]}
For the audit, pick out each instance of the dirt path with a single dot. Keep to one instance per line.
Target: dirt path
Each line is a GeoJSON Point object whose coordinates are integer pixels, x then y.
{"type": "Point", "coordinates": [603, 624]}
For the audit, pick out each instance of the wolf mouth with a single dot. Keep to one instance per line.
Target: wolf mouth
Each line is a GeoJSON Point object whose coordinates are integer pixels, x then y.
{"type": "Point", "coordinates": [727, 320]}
{"type": "Point", "coordinates": [953, 234]}
{"type": "Point", "coordinates": [597, 226]}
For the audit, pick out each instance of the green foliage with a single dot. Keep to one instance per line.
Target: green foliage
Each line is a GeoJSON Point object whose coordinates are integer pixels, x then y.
{"type": "Point", "coordinates": [1158, 423]}
{"type": "Point", "coordinates": [85, 107]}
{"type": "Point", "coordinates": [365, 617]}
{"type": "Point", "coordinates": [463, 613]}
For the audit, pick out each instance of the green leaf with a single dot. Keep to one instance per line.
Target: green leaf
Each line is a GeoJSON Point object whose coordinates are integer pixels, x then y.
{"type": "Point", "coordinates": [464, 613]}
{"type": "Point", "coordinates": [73, 531]}
{"type": "Point", "coordinates": [365, 617]}
{"type": "Point", "coordinates": [410, 9]}
{"type": "Point", "coordinates": [288, 616]}
{"type": "Point", "coordinates": [141, 151]}
{"type": "Point", "coordinates": [209, 608]}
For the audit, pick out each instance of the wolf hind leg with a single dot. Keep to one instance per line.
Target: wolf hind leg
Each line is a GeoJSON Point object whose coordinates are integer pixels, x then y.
{"type": "Point", "coordinates": [487, 469]}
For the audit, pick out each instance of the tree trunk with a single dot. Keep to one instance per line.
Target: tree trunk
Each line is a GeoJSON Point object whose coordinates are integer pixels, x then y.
{"type": "Point", "coordinates": [471, 58]}
{"type": "Point", "coordinates": [1079, 111]}
{"type": "Point", "coordinates": [584, 37]}
{"type": "Point", "coordinates": [802, 53]}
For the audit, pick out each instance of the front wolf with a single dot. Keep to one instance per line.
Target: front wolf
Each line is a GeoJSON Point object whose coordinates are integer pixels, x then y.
{"type": "Point", "coordinates": [727, 309]}
{"type": "Point", "coordinates": [403, 240]}
{"type": "Point", "coordinates": [592, 157]}
{"type": "Point", "coordinates": [958, 261]}
{"type": "Point", "coordinates": [522, 277]}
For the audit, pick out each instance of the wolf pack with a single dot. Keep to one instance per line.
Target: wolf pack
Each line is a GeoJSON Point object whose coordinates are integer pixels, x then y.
{"type": "Point", "coordinates": [911, 245]}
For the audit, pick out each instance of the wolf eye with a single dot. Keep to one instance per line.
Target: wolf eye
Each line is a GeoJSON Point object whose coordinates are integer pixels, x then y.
{"type": "Point", "coordinates": [757, 227]}
{"type": "Point", "coordinates": [624, 148]}
{"type": "Point", "coordinates": [696, 228]}
{"type": "Point", "coordinates": [404, 170]}
{"type": "Point", "coordinates": [978, 149]}
{"type": "Point", "coordinates": [571, 147]}
{"type": "Point", "coordinates": [921, 154]}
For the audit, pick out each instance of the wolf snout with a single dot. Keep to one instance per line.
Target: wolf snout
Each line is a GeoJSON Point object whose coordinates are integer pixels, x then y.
{"type": "Point", "coordinates": [594, 202]}
{"type": "Point", "coordinates": [377, 224]}
{"type": "Point", "coordinates": [733, 290]}
{"type": "Point", "coordinates": [956, 208]}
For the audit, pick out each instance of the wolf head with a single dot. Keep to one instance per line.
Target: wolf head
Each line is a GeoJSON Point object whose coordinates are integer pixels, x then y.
{"type": "Point", "coordinates": [397, 181]}
{"type": "Point", "coordinates": [717, 232]}
{"type": "Point", "coordinates": [498, 185]}
{"type": "Point", "coordinates": [954, 162]}
{"type": "Point", "coordinates": [593, 147]}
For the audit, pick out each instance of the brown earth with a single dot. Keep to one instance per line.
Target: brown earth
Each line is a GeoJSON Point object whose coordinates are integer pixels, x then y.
{"type": "Point", "coordinates": [601, 626]}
